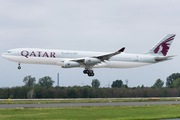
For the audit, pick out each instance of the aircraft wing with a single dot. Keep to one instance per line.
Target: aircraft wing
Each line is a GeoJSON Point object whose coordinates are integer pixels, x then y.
{"type": "Point", "coordinates": [93, 59]}
{"type": "Point", "coordinates": [109, 55]}
{"type": "Point", "coordinates": [102, 57]}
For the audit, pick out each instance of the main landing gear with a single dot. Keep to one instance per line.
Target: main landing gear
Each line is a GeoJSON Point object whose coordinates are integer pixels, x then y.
{"type": "Point", "coordinates": [19, 67]}
{"type": "Point", "coordinates": [89, 72]}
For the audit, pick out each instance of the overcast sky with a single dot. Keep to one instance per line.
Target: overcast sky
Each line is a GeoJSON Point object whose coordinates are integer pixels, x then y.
{"type": "Point", "coordinates": [88, 25]}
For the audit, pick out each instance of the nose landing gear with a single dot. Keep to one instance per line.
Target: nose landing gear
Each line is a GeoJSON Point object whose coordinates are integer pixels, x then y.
{"type": "Point", "coordinates": [19, 67]}
{"type": "Point", "coordinates": [90, 73]}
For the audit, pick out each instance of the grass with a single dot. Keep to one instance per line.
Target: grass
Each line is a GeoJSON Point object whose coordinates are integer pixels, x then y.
{"type": "Point", "coordinates": [79, 101]}
{"type": "Point", "coordinates": [93, 113]}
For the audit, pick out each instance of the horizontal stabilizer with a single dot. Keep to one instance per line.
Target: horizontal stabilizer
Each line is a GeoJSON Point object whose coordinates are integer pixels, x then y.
{"type": "Point", "coordinates": [164, 58]}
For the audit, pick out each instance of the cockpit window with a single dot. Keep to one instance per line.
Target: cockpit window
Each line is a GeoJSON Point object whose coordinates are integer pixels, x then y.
{"type": "Point", "coordinates": [8, 51]}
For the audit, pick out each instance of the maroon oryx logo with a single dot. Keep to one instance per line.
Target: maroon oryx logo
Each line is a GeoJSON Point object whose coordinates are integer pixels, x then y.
{"type": "Point", "coordinates": [164, 46]}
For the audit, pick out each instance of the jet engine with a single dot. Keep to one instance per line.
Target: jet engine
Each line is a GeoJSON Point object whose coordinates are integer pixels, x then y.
{"type": "Point", "coordinates": [91, 61]}
{"type": "Point", "coordinates": [70, 64]}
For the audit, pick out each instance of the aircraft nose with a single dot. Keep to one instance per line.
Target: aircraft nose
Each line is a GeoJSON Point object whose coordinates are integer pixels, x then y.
{"type": "Point", "coordinates": [3, 55]}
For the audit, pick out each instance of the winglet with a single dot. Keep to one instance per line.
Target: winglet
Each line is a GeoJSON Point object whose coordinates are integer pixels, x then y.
{"type": "Point", "coordinates": [122, 49]}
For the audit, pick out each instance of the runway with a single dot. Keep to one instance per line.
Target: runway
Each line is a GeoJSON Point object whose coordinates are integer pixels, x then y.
{"type": "Point", "coordinates": [88, 104]}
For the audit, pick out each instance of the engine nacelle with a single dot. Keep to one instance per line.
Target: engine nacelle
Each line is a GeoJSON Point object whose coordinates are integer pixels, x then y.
{"type": "Point", "coordinates": [70, 64]}
{"type": "Point", "coordinates": [91, 61]}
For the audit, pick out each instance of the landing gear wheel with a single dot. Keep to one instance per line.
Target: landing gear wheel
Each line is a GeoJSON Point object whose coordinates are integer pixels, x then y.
{"type": "Point", "coordinates": [88, 72]}
{"type": "Point", "coordinates": [85, 71]}
{"type": "Point", "coordinates": [91, 73]}
{"type": "Point", "coordinates": [19, 67]}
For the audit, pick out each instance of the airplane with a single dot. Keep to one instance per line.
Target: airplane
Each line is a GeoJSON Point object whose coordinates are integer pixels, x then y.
{"type": "Point", "coordinates": [89, 60]}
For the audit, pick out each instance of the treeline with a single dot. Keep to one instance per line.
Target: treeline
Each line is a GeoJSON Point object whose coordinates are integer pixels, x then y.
{"type": "Point", "coordinates": [44, 89]}
{"type": "Point", "coordinates": [85, 92]}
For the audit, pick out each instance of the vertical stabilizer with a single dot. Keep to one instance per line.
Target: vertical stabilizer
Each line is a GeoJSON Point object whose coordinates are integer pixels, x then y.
{"type": "Point", "coordinates": [162, 47]}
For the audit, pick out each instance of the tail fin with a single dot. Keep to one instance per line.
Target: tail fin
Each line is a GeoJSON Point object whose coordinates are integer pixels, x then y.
{"type": "Point", "coordinates": [162, 47]}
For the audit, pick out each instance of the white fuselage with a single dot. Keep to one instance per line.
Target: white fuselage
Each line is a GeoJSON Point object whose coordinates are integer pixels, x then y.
{"type": "Point", "coordinates": [57, 57]}
{"type": "Point", "coordinates": [89, 60]}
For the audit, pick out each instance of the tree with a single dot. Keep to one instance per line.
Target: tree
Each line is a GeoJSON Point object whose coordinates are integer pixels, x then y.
{"type": "Point", "coordinates": [95, 83]}
{"type": "Point", "coordinates": [38, 91]}
{"type": "Point", "coordinates": [117, 83]}
{"type": "Point", "coordinates": [85, 93]}
{"type": "Point", "coordinates": [142, 86]}
{"type": "Point", "coordinates": [72, 93]}
{"type": "Point", "coordinates": [30, 94]}
{"type": "Point", "coordinates": [29, 81]}
{"type": "Point", "coordinates": [46, 82]}
{"type": "Point", "coordinates": [124, 86]}
{"type": "Point", "coordinates": [176, 83]}
{"type": "Point", "coordinates": [158, 84]}
{"type": "Point", "coordinates": [164, 93]}
{"type": "Point", "coordinates": [171, 78]}
{"type": "Point", "coordinates": [48, 93]}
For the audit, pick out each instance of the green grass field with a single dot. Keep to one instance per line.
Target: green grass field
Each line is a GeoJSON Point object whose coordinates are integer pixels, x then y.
{"type": "Point", "coordinates": [93, 113]}
{"type": "Point", "coordinates": [78, 101]}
